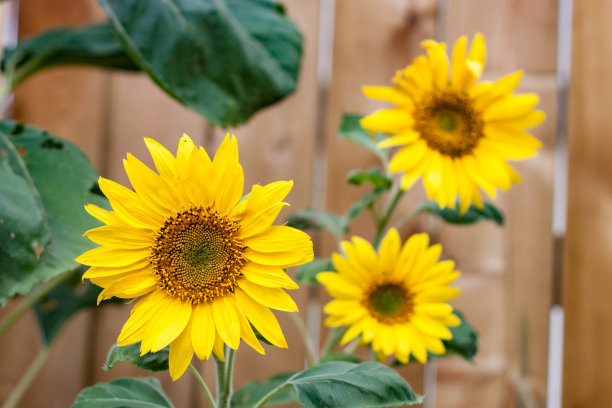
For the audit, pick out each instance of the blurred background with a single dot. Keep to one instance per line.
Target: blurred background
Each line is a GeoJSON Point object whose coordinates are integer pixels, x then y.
{"type": "Point", "coordinates": [511, 276]}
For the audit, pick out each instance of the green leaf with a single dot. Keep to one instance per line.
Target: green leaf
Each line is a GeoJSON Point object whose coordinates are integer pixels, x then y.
{"type": "Point", "coordinates": [223, 59]}
{"type": "Point", "coordinates": [24, 230]}
{"type": "Point", "coordinates": [64, 180]}
{"type": "Point", "coordinates": [141, 392]}
{"type": "Point", "coordinates": [465, 339]}
{"type": "Point", "coordinates": [350, 129]}
{"type": "Point", "coordinates": [251, 393]}
{"type": "Point", "coordinates": [311, 219]}
{"type": "Point", "coordinates": [473, 215]}
{"type": "Point", "coordinates": [307, 273]}
{"type": "Point", "coordinates": [151, 361]}
{"type": "Point", "coordinates": [366, 202]}
{"type": "Point", "coordinates": [90, 45]}
{"type": "Point", "coordinates": [351, 358]}
{"type": "Point", "coordinates": [350, 385]}
{"type": "Point", "coordinates": [374, 176]}
{"type": "Point", "coordinates": [53, 311]}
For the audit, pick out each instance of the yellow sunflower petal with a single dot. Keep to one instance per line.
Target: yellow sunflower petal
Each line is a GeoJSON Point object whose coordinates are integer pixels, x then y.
{"type": "Point", "coordinates": [229, 175]}
{"type": "Point", "coordinates": [511, 106]}
{"type": "Point", "coordinates": [438, 62]}
{"type": "Point", "coordinates": [170, 321]}
{"type": "Point", "coordinates": [338, 286]}
{"type": "Point", "coordinates": [181, 353]}
{"type": "Point", "coordinates": [165, 163]}
{"type": "Point", "coordinates": [226, 320]}
{"type": "Point", "coordinates": [477, 55]}
{"type": "Point", "coordinates": [262, 318]}
{"type": "Point", "coordinates": [121, 236]}
{"type": "Point", "coordinates": [104, 256]}
{"type": "Point", "coordinates": [283, 259]}
{"type": "Point", "coordinates": [203, 330]}
{"type": "Point", "coordinates": [280, 236]}
{"type": "Point", "coordinates": [134, 285]}
{"type": "Point", "coordinates": [270, 276]}
{"type": "Point", "coordinates": [387, 94]}
{"type": "Point", "coordinates": [248, 335]}
{"type": "Point", "coordinates": [399, 140]}
{"type": "Point", "coordinates": [389, 251]}
{"type": "Point", "coordinates": [128, 206]}
{"type": "Point", "coordinates": [107, 217]}
{"type": "Point", "coordinates": [276, 298]}
{"type": "Point", "coordinates": [392, 121]}
{"type": "Point", "coordinates": [218, 348]}
{"type": "Point", "coordinates": [157, 194]}
{"type": "Point", "coordinates": [135, 327]}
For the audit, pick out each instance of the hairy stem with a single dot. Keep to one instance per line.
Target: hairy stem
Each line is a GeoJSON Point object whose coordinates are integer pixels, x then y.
{"type": "Point", "coordinates": [310, 353]}
{"type": "Point", "coordinates": [384, 220]}
{"type": "Point", "coordinates": [224, 378]}
{"type": "Point", "coordinates": [198, 377]}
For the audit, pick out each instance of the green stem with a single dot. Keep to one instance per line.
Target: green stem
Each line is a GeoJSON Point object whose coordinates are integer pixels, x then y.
{"type": "Point", "coordinates": [43, 291]}
{"type": "Point", "coordinates": [26, 380]}
{"type": "Point", "coordinates": [333, 338]}
{"type": "Point", "coordinates": [407, 218]}
{"type": "Point", "coordinates": [271, 395]}
{"type": "Point", "coordinates": [310, 353]}
{"type": "Point", "coordinates": [202, 383]}
{"type": "Point", "coordinates": [224, 378]}
{"type": "Point", "coordinates": [384, 220]}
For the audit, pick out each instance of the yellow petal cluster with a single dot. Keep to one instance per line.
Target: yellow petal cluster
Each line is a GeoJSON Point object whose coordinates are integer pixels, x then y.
{"type": "Point", "coordinates": [453, 132]}
{"type": "Point", "coordinates": [206, 264]}
{"type": "Point", "coordinates": [395, 299]}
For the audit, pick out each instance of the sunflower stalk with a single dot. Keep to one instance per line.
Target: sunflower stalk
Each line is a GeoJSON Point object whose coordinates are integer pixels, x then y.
{"type": "Point", "coordinates": [200, 380]}
{"type": "Point", "coordinates": [333, 338]}
{"type": "Point", "coordinates": [381, 223]}
{"type": "Point", "coordinates": [310, 353]}
{"type": "Point", "coordinates": [224, 378]}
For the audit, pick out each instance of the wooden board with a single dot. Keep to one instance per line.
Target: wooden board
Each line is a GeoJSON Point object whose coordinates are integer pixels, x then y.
{"type": "Point", "coordinates": [587, 376]}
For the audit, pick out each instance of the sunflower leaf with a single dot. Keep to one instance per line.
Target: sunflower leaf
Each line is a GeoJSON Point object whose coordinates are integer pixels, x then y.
{"type": "Point", "coordinates": [54, 310]}
{"type": "Point", "coordinates": [151, 361]}
{"type": "Point", "coordinates": [307, 273]}
{"type": "Point", "coordinates": [124, 392]}
{"type": "Point", "coordinates": [366, 202]}
{"type": "Point", "coordinates": [343, 384]}
{"type": "Point", "coordinates": [489, 212]}
{"type": "Point", "coordinates": [95, 45]}
{"type": "Point", "coordinates": [223, 59]}
{"type": "Point", "coordinates": [64, 180]}
{"type": "Point", "coordinates": [251, 393]}
{"type": "Point", "coordinates": [351, 358]}
{"type": "Point", "coordinates": [374, 176]}
{"type": "Point", "coordinates": [350, 129]}
{"type": "Point", "coordinates": [311, 219]}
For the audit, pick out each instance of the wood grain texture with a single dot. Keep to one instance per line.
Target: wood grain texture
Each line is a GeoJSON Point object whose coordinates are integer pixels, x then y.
{"type": "Point", "coordinates": [518, 257]}
{"type": "Point", "coordinates": [588, 260]}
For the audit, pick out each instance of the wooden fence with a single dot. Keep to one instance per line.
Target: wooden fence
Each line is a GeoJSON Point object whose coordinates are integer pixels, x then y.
{"type": "Point", "coordinates": [507, 272]}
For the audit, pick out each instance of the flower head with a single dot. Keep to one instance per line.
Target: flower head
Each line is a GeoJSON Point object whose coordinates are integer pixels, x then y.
{"type": "Point", "coordinates": [205, 262]}
{"type": "Point", "coordinates": [394, 299]}
{"type": "Point", "coordinates": [454, 133]}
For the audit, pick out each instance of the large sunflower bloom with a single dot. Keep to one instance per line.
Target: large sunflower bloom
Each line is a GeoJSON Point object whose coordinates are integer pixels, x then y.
{"type": "Point", "coordinates": [206, 264]}
{"type": "Point", "coordinates": [396, 299]}
{"type": "Point", "coordinates": [455, 133]}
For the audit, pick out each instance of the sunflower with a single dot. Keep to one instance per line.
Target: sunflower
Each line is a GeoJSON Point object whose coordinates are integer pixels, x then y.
{"type": "Point", "coordinates": [396, 299]}
{"type": "Point", "coordinates": [455, 133]}
{"type": "Point", "coordinates": [205, 263]}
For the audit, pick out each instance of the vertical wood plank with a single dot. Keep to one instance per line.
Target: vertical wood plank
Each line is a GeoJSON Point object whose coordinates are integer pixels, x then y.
{"type": "Point", "coordinates": [371, 41]}
{"type": "Point", "coordinates": [588, 259]}
{"type": "Point", "coordinates": [68, 103]}
{"type": "Point", "coordinates": [508, 269]}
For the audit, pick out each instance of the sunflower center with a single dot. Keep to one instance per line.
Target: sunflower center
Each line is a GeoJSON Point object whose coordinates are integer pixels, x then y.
{"type": "Point", "coordinates": [448, 122]}
{"type": "Point", "coordinates": [197, 255]}
{"type": "Point", "coordinates": [390, 303]}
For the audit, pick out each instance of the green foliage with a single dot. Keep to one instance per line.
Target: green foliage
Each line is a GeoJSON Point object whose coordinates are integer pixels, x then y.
{"type": "Point", "coordinates": [374, 176]}
{"type": "Point", "coordinates": [248, 395]}
{"type": "Point", "coordinates": [55, 309]}
{"type": "Point", "coordinates": [311, 219]}
{"type": "Point", "coordinates": [350, 385]}
{"type": "Point", "coordinates": [351, 358]}
{"type": "Point", "coordinates": [225, 60]}
{"type": "Point", "coordinates": [307, 273]}
{"type": "Point", "coordinates": [151, 361]}
{"type": "Point", "coordinates": [63, 180]}
{"type": "Point", "coordinates": [465, 339]}
{"type": "Point", "coordinates": [350, 129]}
{"type": "Point", "coordinates": [95, 45]}
{"type": "Point", "coordinates": [473, 215]}
{"type": "Point", "coordinates": [138, 392]}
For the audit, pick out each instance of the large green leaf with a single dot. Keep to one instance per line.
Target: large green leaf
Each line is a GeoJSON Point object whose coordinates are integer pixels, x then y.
{"type": "Point", "coordinates": [150, 361]}
{"type": "Point", "coordinates": [64, 180]}
{"type": "Point", "coordinates": [138, 392]}
{"type": "Point", "coordinates": [350, 129]}
{"type": "Point", "coordinates": [473, 215]}
{"type": "Point", "coordinates": [223, 59]}
{"type": "Point", "coordinates": [91, 45]}
{"type": "Point", "coordinates": [248, 395]}
{"type": "Point", "coordinates": [24, 231]}
{"type": "Point", "coordinates": [54, 310]}
{"type": "Point", "coordinates": [350, 385]}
